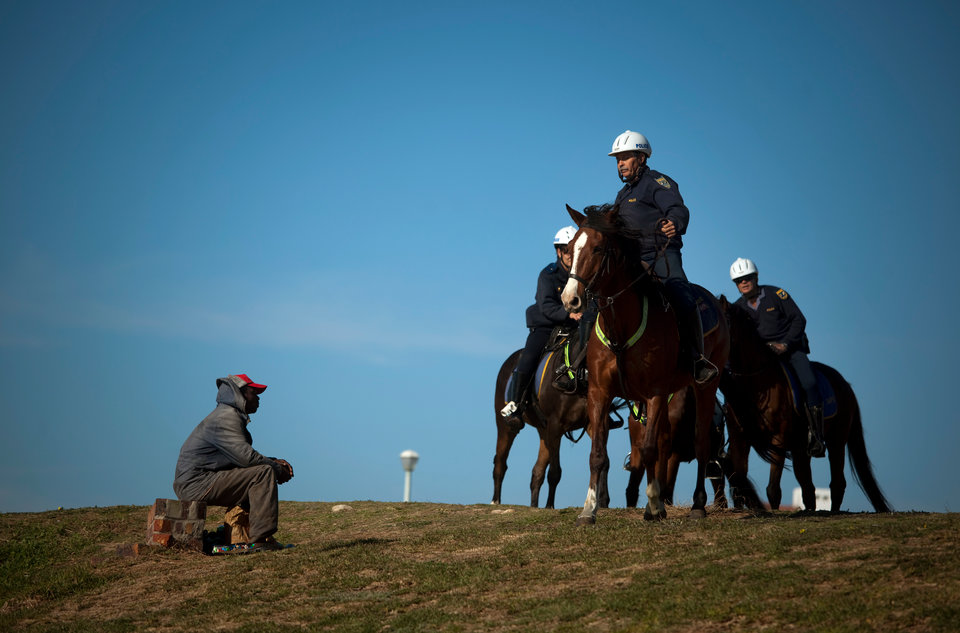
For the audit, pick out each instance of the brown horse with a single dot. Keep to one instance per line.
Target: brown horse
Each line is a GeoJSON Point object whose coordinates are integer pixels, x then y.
{"type": "Point", "coordinates": [554, 414]}
{"type": "Point", "coordinates": [634, 353]}
{"type": "Point", "coordinates": [758, 390]}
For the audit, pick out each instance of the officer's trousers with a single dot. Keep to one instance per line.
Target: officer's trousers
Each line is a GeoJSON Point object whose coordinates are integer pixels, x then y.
{"type": "Point", "coordinates": [804, 371]}
{"type": "Point", "coordinates": [536, 341]}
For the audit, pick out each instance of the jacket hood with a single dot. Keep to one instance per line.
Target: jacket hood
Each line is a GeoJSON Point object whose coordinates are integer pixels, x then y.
{"type": "Point", "coordinates": [228, 393]}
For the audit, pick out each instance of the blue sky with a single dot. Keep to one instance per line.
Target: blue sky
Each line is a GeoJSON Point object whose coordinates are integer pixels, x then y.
{"type": "Point", "coordinates": [351, 204]}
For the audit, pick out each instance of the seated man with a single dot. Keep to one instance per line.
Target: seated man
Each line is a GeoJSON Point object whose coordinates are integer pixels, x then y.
{"type": "Point", "coordinates": [218, 465]}
{"type": "Point", "coordinates": [781, 324]}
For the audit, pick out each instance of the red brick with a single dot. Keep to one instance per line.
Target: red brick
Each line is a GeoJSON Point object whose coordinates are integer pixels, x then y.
{"type": "Point", "coordinates": [197, 511]}
{"type": "Point", "coordinates": [165, 540]}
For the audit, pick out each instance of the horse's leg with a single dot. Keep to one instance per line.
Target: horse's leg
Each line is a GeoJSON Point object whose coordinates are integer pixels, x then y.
{"type": "Point", "coordinates": [801, 470]}
{"type": "Point", "coordinates": [597, 405]}
{"type": "Point", "coordinates": [636, 463]}
{"type": "Point", "coordinates": [773, 485]}
{"type": "Point", "coordinates": [836, 450]}
{"type": "Point", "coordinates": [737, 456]}
{"type": "Point", "coordinates": [603, 490]}
{"type": "Point", "coordinates": [838, 483]}
{"type": "Point", "coordinates": [719, 494]}
{"type": "Point", "coordinates": [704, 420]}
{"type": "Point", "coordinates": [539, 471]}
{"type": "Point", "coordinates": [505, 439]}
{"type": "Point", "coordinates": [553, 471]}
{"type": "Point", "coordinates": [656, 469]}
{"type": "Point", "coordinates": [666, 490]}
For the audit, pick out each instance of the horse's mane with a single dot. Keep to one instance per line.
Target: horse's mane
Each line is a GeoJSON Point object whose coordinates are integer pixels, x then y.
{"type": "Point", "coordinates": [606, 219]}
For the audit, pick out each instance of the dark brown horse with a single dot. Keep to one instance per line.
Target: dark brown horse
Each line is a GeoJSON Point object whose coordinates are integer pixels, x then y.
{"type": "Point", "coordinates": [758, 390]}
{"type": "Point", "coordinates": [634, 353]}
{"type": "Point", "coordinates": [553, 413]}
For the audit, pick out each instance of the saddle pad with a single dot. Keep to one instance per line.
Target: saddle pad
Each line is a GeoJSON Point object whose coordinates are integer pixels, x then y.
{"type": "Point", "coordinates": [544, 377]}
{"type": "Point", "coordinates": [541, 377]}
{"type": "Point", "coordinates": [826, 391]}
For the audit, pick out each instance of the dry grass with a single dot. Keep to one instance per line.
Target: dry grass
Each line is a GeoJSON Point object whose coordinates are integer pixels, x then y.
{"type": "Point", "coordinates": [405, 567]}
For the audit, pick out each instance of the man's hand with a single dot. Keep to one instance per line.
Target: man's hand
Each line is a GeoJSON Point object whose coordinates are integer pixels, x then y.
{"type": "Point", "coordinates": [576, 316]}
{"type": "Point", "coordinates": [287, 473]}
{"type": "Point", "coordinates": [668, 228]}
{"type": "Point", "coordinates": [778, 348]}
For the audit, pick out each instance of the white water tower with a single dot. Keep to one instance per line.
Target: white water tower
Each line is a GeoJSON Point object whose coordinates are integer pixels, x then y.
{"type": "Point", "coordinates": [408, 459]}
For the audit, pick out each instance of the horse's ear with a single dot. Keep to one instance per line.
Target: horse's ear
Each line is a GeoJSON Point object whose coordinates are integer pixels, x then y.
{"type": "Point", "coordinates": [578, 218]}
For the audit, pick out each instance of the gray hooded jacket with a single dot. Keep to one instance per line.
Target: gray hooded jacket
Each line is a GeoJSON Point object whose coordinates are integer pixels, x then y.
{"type": "Point", "coordinates": [220, 442]}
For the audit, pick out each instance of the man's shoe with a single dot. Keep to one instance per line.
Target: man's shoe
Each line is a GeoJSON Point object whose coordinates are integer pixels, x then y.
{"type": "Point", "coordinates": [268, 544]}
{"type": "Point", "coordinates": [511, 416]}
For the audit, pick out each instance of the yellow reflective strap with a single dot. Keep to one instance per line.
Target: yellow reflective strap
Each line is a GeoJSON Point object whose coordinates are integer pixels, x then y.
{"type": "Point", "coordinates": [636, 335]}
{"type": "Point", "coordinates": [566, 358]}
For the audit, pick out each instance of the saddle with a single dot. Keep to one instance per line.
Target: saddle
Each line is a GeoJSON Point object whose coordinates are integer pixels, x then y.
{"type": "Point", "coordinates": [797, 395]}
{"type": "Point", "coordinates": [571, 376]}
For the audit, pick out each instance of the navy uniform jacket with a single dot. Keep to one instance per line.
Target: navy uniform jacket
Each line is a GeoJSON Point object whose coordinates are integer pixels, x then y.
{"type": "Point", "coordinates": [548, 310]}
{"type": "Point", "coordinates": [653, 197]}
{"type": "Point", "coordinates": [778, 318]}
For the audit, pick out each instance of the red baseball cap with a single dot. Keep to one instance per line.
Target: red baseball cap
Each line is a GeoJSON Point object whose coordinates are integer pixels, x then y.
{"type": "Point", "coordinates": [243, 380]}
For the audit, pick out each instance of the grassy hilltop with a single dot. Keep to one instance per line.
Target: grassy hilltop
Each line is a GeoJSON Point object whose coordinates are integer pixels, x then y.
{"type": "Point", "coordinates": [436, 567]}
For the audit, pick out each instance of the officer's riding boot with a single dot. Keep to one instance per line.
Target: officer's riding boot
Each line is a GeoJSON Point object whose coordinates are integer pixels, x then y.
{"type": "Point", "coordinates": [691, 328]}
{"type": "Point", "coordinates": [513, 411]}
{"type": "Point", "coordinates": [816, 446]}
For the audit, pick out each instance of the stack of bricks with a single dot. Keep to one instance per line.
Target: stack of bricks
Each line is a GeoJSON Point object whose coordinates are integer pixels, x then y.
{"type": "Point", "coordinates": [172, 522]}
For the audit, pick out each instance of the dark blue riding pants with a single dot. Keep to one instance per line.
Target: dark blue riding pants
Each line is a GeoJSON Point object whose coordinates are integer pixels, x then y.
{"type": "Point", "coordinates": [536, 341]}
{"type": "Point", "coordinates": [801, 367]}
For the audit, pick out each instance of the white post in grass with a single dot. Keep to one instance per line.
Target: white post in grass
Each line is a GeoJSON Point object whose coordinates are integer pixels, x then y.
{"type": "Point", "coordinates": [409, 461]}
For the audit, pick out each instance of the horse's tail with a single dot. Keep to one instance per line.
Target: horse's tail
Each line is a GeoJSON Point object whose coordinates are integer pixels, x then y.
{"type": "Point", "coordinates": [857, 450]}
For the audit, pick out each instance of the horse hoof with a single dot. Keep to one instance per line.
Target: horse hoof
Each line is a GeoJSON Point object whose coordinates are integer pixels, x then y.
{"type": "Point", "coordinates": [586, 520]}
{"type": "Point", "coordinates": [650, 516]}
{"type": "Point", "coordinates": [698, 513]}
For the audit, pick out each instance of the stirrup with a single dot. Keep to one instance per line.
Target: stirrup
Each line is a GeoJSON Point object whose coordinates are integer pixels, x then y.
{"type": "Point", "coordinates": [704, 371]}
{"type": "Point", "coordinates": [509, 409]}
{"type": "Point", "coordinates": [815, 447]}
{"type": "Point", "coordinates": [714, 470]}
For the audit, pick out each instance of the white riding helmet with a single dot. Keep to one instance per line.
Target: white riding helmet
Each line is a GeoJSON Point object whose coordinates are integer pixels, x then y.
{"type": "Point", "coordinates": [631, 142]}
{"type": "Point", "coordinates": [741, 268]}
{"type": "Point", "coordinates": [564, 235]}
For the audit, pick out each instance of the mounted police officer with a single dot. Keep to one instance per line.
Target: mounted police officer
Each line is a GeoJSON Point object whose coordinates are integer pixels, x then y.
{"type": "Point", "coordinates": [781, 324]}
{"type": "Point", "coordinates": [545, 314]}
{"type": "Point", "coordinates": [651, 205]}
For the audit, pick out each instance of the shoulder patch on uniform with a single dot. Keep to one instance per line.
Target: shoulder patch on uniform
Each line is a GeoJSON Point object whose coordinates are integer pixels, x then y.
{"type": "Point", "coordinates": [782, 294]}
{"type": "Point", "coordinates": [632, 200]}
{"type": "Point", "coordinates": [663, 182]}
